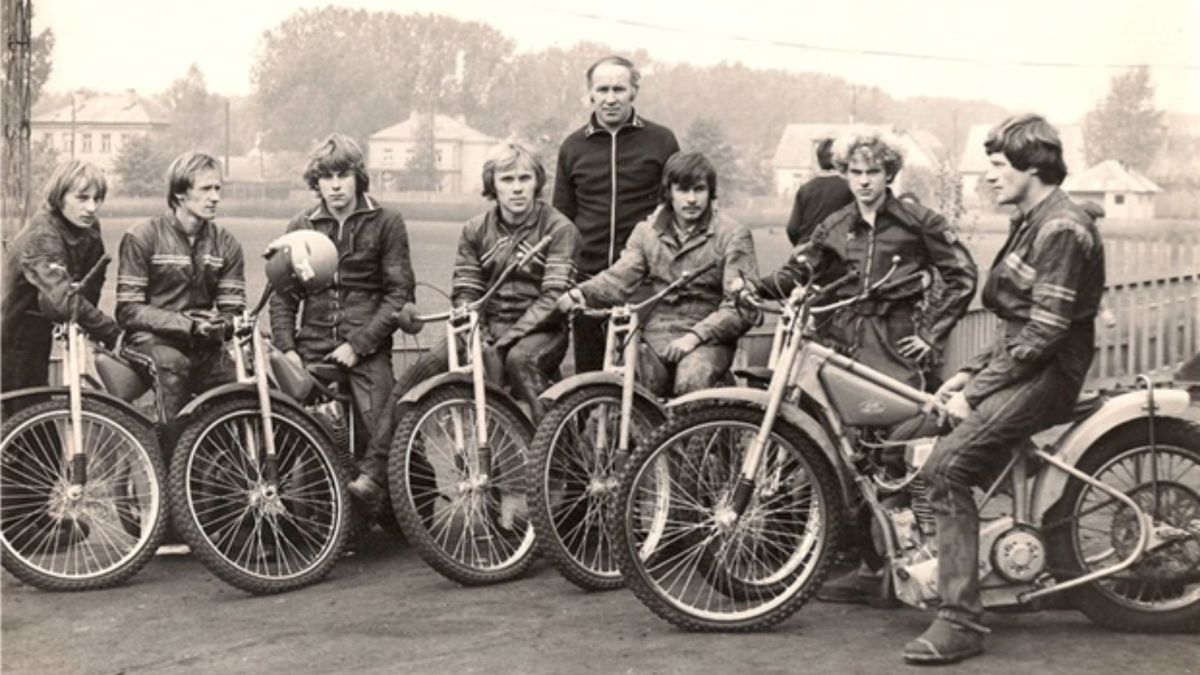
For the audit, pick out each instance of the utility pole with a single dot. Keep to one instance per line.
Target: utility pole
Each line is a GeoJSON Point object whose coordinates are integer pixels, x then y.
{"type": "Point", "coordinates": [227, 137]}
{"type": "Point", "coordinates": [16, 31]}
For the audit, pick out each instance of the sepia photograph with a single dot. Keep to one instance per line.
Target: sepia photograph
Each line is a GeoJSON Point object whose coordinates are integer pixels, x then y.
{"type": "Point", "coordinates": [541, 337]}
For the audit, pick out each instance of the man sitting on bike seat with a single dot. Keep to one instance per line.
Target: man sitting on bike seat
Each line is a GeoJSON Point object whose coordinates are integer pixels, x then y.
{"type": "Point", "coordinates": [180, 283]}
{"type": "Point", "coordinates": [692, 333]}
{"type": "Point", "coordinates": [59, 246]}
{"type": "Point", "coordinates": [1046, 285]}
{"type": "Point", "coordinates": [523, 336]}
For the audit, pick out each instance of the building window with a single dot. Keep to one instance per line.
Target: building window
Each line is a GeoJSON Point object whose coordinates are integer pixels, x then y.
{"type": "Point", "coordinates": [66, 141]}
{"type": "Point", "coordinates": [105, 142]}
{"type": "Point", "coordinates": [1118, 199]}
{"type": "Point", "coordinates": [85, 143]}
{"type": "Point", "coordinates": [48, 140]}
{"type": "Point", "coordinates": [387, 157]}
{"type": "Point", "coordinates": [124, 140]}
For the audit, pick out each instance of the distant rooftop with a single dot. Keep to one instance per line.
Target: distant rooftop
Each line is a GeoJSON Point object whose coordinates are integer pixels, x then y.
{"type": "Point", "coordinates": [1110, 176]}
{"type": "Point", "coordinates": [124, 108]}
{"type": "Point", "coordinates": [445, 128]}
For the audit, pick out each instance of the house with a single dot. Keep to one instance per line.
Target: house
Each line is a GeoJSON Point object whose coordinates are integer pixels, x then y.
{"type": "Point", "coordinates": [1122, 191]}
{"type": "Point", "coordinates": [94, 129]}
{"type": "Point", "coordinates": [974, 162]}
{"type": "Point", "coordinates": [460, 152]}
{"type": "Point", "coordinates": [795, 158]}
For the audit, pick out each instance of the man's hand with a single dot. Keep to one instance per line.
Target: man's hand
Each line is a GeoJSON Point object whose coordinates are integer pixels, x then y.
{"type": "Point", "coordinates": [211, 330]}
{"type": "Point", "coordinates": [956, 383]}
{"type": "Point", "coordinates": [294, 357]}
{"type": "Point", "coordinates": [914, 347]}
{"type": "Point", "coordinates": [344, 355]}
{"type": "Point", "coordinates": [569, 301]}
{"type": "Point", "coordinates": [680, 347]}
{"type": "Point", "coordinates": [957, 407]}
{"type": "Point", "coordinates": [950, 395]}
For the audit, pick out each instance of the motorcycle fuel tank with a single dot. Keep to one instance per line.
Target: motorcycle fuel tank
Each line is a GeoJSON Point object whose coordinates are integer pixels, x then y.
{"type": "Point", "coordinates": [860, 402]}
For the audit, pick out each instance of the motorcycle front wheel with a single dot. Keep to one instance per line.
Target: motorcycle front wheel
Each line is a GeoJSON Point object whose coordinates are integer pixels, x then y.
{"type": "Point", "coordinates": [1088, 530]}
{"type": "Point", "coordinates": [688, 554]}
{"type": "Point", "coordinates": [259, 537]}
{"type": "Point", "coordinates": [469, 530]}
{"type": "Point", "coordinates": [97, 535]}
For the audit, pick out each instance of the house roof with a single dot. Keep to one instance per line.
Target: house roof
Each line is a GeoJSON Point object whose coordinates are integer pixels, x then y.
{"type": "Point", "coordinates": [974, 160]}
{"type": "Point", "coordinates": [796, 145]}
{"type": "Point", "coordinates": [445, 128]}
{"type": "Point", "coordinates": [124, 108]}
{"type": "Point", "coordinates": [1110, 176]}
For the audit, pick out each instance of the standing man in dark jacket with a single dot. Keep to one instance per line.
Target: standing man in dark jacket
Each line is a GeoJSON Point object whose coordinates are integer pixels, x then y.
{"type": "Point", "coordinates": [350, 323]}
{"type": "Point", "coordinates": [58, 247]}
{"type": "Point", "coordinates": [180, 283]}
{"type": "Point", "coordinates": [608, 181]}
{"type": "Point", "coordinates": [1045, 285]}
{"type": "Point", "coordinates": [522, 333]}
{"type": "Point", "coordinates": [825, 193]}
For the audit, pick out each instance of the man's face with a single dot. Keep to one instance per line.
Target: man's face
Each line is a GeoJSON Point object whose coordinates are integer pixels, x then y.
{"type": "Point", "coordinates": [515, 187]}
{"type": "Point", "coordinates": [1009, 183]}
{"type": "Point", "coordinates": [202, 198]}
{"type": "Point", "coordinates": [612, 94]}
{"type": "Point", "coordinates": [339, 190]}
{"type": "Point", "coordinates": [867, 181]}
{"type": "Point", "coordinates": [80, 204]}
{"type": "Point", "coordinates": [689, 203]}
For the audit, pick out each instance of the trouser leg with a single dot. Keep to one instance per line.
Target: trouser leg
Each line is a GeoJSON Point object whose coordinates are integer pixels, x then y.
{"type": "Point", "coordinates": [702, 368]}
{"type": "Point", "coordinates": [171, 370]}
{"type": "Point", "coordinates": [588, 340]}
{"type": "Point", "coordinates": [371, 384]}
{"type": "Point", "coordinates": [531, 366]}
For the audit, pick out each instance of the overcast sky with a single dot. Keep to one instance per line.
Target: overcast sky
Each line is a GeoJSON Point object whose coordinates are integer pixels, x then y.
{"type": "Point", "coordinates": [998, 51]}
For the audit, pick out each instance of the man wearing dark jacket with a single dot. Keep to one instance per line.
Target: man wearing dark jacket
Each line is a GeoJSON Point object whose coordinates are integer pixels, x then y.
{"type": "Point", "coordinates": [608, 181]}
{"type": "Point", "coordinates": [58, 247]}
{"type": "Point", "coordinates": [825, 193]}
{"type": "Point", "coordinates": [180, 283]}
{"type": "Point", "coordinates": [350, 323]}
{"type": "Point", "coordinates": [521, 331]}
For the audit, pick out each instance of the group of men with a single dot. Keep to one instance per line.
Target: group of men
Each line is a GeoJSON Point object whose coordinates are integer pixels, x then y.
{"type": "Point", "coordinates": [629, 210]}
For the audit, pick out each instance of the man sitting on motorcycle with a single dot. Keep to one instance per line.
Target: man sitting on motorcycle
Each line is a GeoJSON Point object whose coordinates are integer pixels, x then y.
{"type": "Point", "coordinates": [520, 328]}
{"type": "Point", "coordinates": [180, 283]}
{"type": "Point", "coordinates": [1045, 286]}
{"type": "Point", "coordinates": [692, 333]}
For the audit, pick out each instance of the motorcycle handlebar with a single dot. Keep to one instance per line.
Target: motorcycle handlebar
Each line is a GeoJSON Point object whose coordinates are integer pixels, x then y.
{"type": "Point", "coordinates": [474, 305]}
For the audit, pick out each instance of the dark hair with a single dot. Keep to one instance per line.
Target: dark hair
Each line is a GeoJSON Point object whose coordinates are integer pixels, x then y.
{"type": "Point", "coordinates": [336, 154]}
{"type": "Point", "coordinates": [181, 175]}
{"type": "Point", "coordinates": [1029, 141]}
{"type": "Point", "coordinates": [688, 169]}
{"type": "Point", "coordinates": [506, 156]}
{"type": "Point", "coordinates": [825, 153]}
{"type": "Point", "coordinates": [635, 76]}
{"type": "Point", "coordinates": [64, 178]}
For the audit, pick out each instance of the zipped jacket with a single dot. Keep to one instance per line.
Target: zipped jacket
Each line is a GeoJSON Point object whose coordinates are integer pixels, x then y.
{"type": "Point", "coordinates": [654, 255]}
{"type": "Point", "coordinates": [844, 242]}
{"type": "Point", "coordinates": [374, 281]}
{"type": "Point", "coordinates": [526, 299]}
{"type": "Point", "coordinates": [1045, 284]}
{"type": "Point", "coordinates": [608, 181]}
{"type": "Point", "coordinates": [162, 277]}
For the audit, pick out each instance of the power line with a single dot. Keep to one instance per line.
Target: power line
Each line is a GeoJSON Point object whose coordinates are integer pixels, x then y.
{"type": "Point", "coordinates": [790, 44]}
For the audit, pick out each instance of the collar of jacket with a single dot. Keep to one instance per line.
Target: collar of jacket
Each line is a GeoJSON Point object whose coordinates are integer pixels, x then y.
{"type": "Point", "coordinates": [496, 217]}
{"type": "Point", "coordinates": [70, 233]}
{"type": "Point", "coordinates": [594, 127]}
{"type": "Point", "coordinates": [1055, 197]}
{"type": "Point", "coordinates": [200, 233]}
{"type": "Point", "coordinates": [664, 226]}
{"type": "Point", "coordinates": [322, 212]}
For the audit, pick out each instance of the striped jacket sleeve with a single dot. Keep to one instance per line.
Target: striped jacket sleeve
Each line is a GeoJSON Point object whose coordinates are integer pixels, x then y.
{"type": "Point", "coordinates": [1055, 270]}
{"type": "Point", "coordinates": [44, 265]}
{"type": "Point", "coordinates": [558, 275]}
{"type": "Point", "coordinates": [231, 284]}
{"type": "Point", "coordinates": [285, 305]}
{"type": "Point", "coordinates": [134, 311]}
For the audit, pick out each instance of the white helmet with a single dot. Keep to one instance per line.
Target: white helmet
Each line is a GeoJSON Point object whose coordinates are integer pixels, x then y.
{"type": "Point", "coordinates": [303, 259]}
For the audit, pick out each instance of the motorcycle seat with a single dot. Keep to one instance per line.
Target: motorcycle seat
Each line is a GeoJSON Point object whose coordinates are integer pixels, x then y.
{"type": "Point", "coordinates": [755, 375]}
{"type": "Point", "coordinates": [119, 378]}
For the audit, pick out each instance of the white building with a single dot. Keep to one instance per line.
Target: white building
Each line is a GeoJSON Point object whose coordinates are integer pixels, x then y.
{"type": "Point", "coordinates": [97, 127]}
{"type": "Point", "coordinates": [460, 152]}
{"type": "Point", "coordinates": [795, 160]}
{"type": "Point", "coordinates": [1123, 192]}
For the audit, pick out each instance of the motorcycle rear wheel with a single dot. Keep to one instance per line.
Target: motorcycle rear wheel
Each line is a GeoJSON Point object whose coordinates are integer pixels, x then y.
{"type": "Point", "coordinates": [1088, 530]}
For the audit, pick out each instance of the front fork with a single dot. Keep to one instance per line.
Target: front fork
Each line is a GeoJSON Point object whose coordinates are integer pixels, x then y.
{"type": "Point", "coordinates": [73, 373]}
{"type": "Point", "coordinates": [470, 326]}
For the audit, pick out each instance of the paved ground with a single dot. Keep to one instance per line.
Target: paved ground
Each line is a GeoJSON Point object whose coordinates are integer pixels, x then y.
{"type": "Point", "coordinates": [384, 611]}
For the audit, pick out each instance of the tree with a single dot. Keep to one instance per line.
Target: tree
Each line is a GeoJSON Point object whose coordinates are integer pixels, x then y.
{"type": "Point", "coordinates": [140, 165]}
{"type": "Point", "coordinates": [420, 171]}
{"type": "Point", "coordinates": [706, 135]}
{"type": "Point", "coordinates": [195, 114]}
{"type": "Point", "coordinates": [26, 65]}
{"type": "Point", "coordinates": [1124, 125]}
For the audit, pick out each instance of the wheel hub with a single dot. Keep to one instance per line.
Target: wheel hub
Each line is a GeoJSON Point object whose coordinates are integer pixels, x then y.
{"type": "Point", "coordinates": [265, 498]}
{"type": "Point", "coordinates": [1019, 555]}
{"type": "Point", "coordinates": [1173, 548]}
{"type": "Point", "coordinates": [601, 485]}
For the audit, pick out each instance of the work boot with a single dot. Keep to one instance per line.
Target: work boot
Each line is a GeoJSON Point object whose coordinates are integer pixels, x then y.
{"type": "Point", "coordinates": [368, 492]}
{"type": "Point", "coordinates": [860, 586]}
{"type": "Point", "coordinates": [946, 640]}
